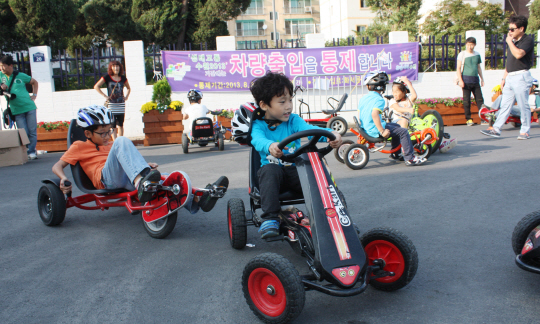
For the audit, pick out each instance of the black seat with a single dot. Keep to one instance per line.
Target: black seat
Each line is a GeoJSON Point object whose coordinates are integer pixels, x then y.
{"type": "Point", "coordinates": [202, 127]}
{"type": "Point", "coordinates": [82, 181]}
{"type": "Point", "coordinates": [365, 135]}
{"type": "Point", "coordinates": [340, 105]}
{"type": "Point", "coordinates": [389, 97]}
{"type": "Point", "coordinates": [285, 198]}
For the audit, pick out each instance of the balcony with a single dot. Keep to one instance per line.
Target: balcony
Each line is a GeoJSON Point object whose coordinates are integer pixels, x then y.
{"type": "Point", "coordinates": [250, 32]}
{"type": "Point", "coordinates": [254, 11]}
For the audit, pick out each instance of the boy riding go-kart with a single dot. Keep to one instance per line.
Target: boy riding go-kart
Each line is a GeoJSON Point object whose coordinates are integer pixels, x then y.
{"type": "Point", "coordinates": [116, 175]}
{"type": "Point", "coordinates": [340, 263]}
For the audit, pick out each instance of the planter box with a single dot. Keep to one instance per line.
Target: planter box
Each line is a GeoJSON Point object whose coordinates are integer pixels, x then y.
{"type": "Point", "coordinates": [226, 122]}
{"type": "Point", "coordinates": [452, 115]}
{"type": "Point", "coordinates": [52, 141]}
{"type": "Point", "coordinates": [163, 128]}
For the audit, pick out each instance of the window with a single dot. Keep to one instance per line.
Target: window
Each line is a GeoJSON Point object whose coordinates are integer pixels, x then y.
{"type": "Point", "coordinates": [299, 27]}
{"type": "Point", "coordinates": [296, 6]}
{"type": "Point", "coordinates": [360, 28]}
{"type": "Point", "coordinates": [363, 4]}
{"type": "Point", "coordinates": [255, 8]}
{"type": "Point", "coordinates": [272, 36]}
{"type": "Point", "coordinates": [243, 45]}
{"type": "Point", "coordinates": [271, 16]}
{"type": "Point", "coordinates": [249, 28]}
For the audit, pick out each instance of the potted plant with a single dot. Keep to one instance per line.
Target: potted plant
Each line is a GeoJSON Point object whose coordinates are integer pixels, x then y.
{"type": "Point", "coordinates": [52, 136]}
{"type": "Point", "coordinates": [497, 91]}
{"type": "Point", "coordinates": [451, 109]}
{"type": "Point", "coordinates": [162, 117]}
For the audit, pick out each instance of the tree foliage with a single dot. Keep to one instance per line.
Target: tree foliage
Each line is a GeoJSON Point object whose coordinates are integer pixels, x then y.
{"type": "Point", "coordinates": [10, 39]}
{"type": "Point", "coordinates": [158, 20]}
{"type": "Point", "coordinates": [534, 17]}
{"type": "Point", "coordinates": [454, 17]}
{"type": "Point", "coordinates": [393, 15]}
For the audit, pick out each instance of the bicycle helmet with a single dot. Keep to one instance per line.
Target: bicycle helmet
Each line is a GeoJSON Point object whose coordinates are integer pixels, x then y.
{"type": "Point", "coordinates": [535, 83]}
{"type": "Point", "coordinates": [94, 115]}
{"type": "Point", "coordinates": [377, 79]}
{"type": "Point", "coordinates": [194, 95]}
{"type": "Point", "coordinates": [399, 81]}
{"type": "Point", "coordinates": [241, 121]}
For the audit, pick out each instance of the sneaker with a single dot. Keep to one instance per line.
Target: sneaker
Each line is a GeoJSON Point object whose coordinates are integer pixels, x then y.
{"type": "Point", "coordinates": [396, 157]}
{"type": "Point", "coordinates": [448, 145]}
{"type": "Point", "coordinates": [153, 177]}
{"type": "Point", "coordinates": [491, 132]}
{"type": "Point", "coordinates": [415, 161]}
{"type": "Point", "coordinates": [32, 156]}
{"type": "Point", "coordinates": [470, 122]}
{"type": "Point", "coordinates": [206, 202]}
{"type": "Point", "coordinates": [523, 136]}
{"type": "Point", "coordinates": [269, 228]}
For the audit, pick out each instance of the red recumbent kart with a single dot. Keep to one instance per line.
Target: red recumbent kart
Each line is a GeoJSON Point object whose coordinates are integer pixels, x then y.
{"type": "Point", "coordinates": [159, 215]}
{"type": "Point", "coordinates": [489, 116]}
{"type": "Point", "coordinates": [526, 242]}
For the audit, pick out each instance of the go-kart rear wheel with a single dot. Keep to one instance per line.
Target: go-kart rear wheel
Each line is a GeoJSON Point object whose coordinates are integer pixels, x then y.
{"type": "Point", "coordinates": [161, 228]}
{"type": "Point", "coordinates": [435, 121]}
{"type": "Point", "coordinates": [221, 142]}
{"type": "Point", "coordinates": [338, 124]}
{"type": "Point", "coordinates": [51, 204]}
{"type": "Point", "coordinates": [340, 151]}
{"type": "Point", "coordinates": [273, 288]}
{"type": "Point", "coordinates": [185, 143]}
{"type": "Point", "coordinates": [523, 229]}
{"type": "Point", "coordinates": [237, 224]}
{"type": "Point", "coordinates": [357, 156]}
{"type": "Point", "coordinates": [398, 253]}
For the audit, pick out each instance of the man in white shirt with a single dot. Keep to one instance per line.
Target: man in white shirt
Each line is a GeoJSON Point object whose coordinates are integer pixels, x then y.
{"type": "Point", "coordinates": [194, 110]}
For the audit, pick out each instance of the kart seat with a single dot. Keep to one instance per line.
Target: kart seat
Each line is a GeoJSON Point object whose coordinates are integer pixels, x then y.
{"type": "Point", "coordinates": [202, 127]}
{"type": "Point", "coordinates": [365, 135]}
{"type": "Point", "coordinates": [340, 105]}
{"type": "Point", "coordinates": [82, 181]}
{"type": "Point", "coordinates": [285, 198]}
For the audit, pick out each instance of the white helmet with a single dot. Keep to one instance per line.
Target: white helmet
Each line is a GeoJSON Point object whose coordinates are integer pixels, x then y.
{"type": "Point", "coordinates": [241, 121]}
{"type": "Point", "coordinates": [94, 115]}
{"type": "Point", "coordinates": [377, 79]}
{"type": "Point", "coordinates": [398, 80]}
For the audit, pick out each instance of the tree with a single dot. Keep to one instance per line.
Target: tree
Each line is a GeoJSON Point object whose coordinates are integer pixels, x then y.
{"type": "Point", "coordinates": [455, 17]}
{"type": "Point", "coordinates": [534, 17]}
{"type": "Point", "coordinates": [161, 21]}
{"type": "Point", "coordinates": [45, 22]}
{"type": "Point", "coordinates": [11, 40]}
{"type": "Point", "coordinates": [393, 15]}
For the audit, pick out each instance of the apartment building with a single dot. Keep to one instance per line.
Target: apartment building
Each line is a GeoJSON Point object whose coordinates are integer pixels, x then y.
{"type": "Point", "coordinates": [293, 19]}
{"type": "Point", "coordinates": [342, 18]}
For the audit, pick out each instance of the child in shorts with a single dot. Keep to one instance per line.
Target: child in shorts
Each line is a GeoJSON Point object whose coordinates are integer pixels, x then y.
{"type": "Point", "coordinates": [118, 164]}
{"type": "Point", "coordinates": [401, 105]}
{"type": "Point", "coordinates": [371, 106]}
{"type": "Point", "coordinates": [272, 122]}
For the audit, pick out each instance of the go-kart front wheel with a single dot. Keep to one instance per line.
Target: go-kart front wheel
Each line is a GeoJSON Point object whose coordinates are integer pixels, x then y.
{"type": "Point", "coordinates": [51, 204]}
{"type": "Point", "coordinates": [185, 143]}
{"type": "Point", "coordinates": [340, 151]}
{"type": "Point", "coordinates": [273, 288]}
{"type": "Point", "coordinates": [523, 229]}
{"type": "Point", "coordinates": [236, 221]}
{"type": "Point", "coordinates": [357, 156]}
{"type": "Point", "coordinates": [338, 124]}
{"type": "Point", "coordinates": [422, 151]}
{"type": "Point", "coordinates": [433, 119]}
{"type": "Point", "coordinates": [161, 228]}
{"type": "Point", "coordinates": [398, 253]}
{"type": "Point", "coordinates": [221, 142]}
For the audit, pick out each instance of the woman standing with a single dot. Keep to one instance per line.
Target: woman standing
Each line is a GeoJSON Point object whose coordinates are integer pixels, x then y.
{"type": "Point", "coordinates": [115, 81]}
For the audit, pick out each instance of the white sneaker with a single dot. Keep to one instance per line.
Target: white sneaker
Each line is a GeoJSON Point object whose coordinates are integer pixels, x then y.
{"type": "Point", "coordinates": [415, 161]}
{"type": "Point", "coordinates": [448, 145]}
{"type": "Point", "coordinates": [32, 156]}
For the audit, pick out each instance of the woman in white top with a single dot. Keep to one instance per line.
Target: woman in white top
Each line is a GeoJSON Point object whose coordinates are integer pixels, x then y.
{"type": "Point", "coordinates": [402, 105]}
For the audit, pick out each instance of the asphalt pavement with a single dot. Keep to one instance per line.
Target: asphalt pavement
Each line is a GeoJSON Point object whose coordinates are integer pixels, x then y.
{"type": "Point", "coordinates": [459, 209]}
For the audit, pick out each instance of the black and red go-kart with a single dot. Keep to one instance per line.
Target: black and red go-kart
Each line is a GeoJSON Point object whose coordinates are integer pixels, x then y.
{"type": "Point", "coordinates": [159, 215]}
{"type": "Point", "coordinates": [526, 242]}
{"type": "Point", "coordinates": [340, 262]}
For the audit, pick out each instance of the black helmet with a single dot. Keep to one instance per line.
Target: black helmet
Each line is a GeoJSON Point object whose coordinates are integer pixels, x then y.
{"type": "Point", "coordinates": [194, 95]}
{"type": "Point", "coordinates": [377, 79]}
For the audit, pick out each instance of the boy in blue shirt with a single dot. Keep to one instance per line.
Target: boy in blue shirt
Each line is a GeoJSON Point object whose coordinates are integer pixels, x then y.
{"type": "Point", "coordinates": [273, 94]}
{"type": "Point", "coordinates": [371, 106]}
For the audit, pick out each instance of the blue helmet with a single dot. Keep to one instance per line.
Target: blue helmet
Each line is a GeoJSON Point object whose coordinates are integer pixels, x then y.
{"type": "Point", "coordinates": [194, 95]}
{"type": "Point", "coordinates": [94, 115]}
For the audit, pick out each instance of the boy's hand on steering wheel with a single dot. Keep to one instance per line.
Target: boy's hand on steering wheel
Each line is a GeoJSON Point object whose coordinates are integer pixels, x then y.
{"type": "Point", "coordinates": [385, 133]}
{"type": "Point", "coordinates": [64, 189]}
{"type": "Point", "coordinates": [275, 151]}
{"type": "Point", "coordinates": [337, 142]}
{"type": "Point", "coordinates": [153, 165]}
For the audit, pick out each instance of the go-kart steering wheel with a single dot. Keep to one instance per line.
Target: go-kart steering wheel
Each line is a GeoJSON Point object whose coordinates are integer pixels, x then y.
{"type": "Point", "coordinates": [310, 146]}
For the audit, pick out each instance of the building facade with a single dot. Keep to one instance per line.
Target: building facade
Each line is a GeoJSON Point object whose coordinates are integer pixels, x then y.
{"type": "Point", "coordinates": [343, 18]}
{"type": "Point", "coordinates": [293, 19]}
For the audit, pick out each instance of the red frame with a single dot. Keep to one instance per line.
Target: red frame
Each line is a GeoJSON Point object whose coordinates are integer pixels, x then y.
{"type": "Point", "coordinates": [416, 134]}
{"type": "Point", "coordinates": [511, 119]}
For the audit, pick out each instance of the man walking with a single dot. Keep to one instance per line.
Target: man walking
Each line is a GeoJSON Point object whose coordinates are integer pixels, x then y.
{"type": "Point", "coordinates": [470, 77]}
{"type": "Point", "coordinates": [517, 79]}
{"type": "Point", "coordinates": [22, 107]}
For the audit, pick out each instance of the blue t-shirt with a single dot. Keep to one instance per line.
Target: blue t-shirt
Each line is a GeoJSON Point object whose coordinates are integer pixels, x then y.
{"type": "Point", "coordinates": [262, 137]}
{"type": "Point", "coordinates": [366, 105]}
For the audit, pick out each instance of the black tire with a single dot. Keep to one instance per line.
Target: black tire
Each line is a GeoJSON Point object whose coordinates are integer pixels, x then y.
{"type": "Point", "coordinates": [395, 247]}
{"type": "Point", "coordinates": [340, 151]}
{"type": "Point", "coordinates": [338, 124]}
{"type": "Point", "coordinates": [270, 271]}
{"type": "Point", "coordinates": [185, 143]}
{"type": "Point", "coordinates": [51, 204]}
{"type": "Point", "coordinates": [236, 222]}
{"type": "Point", "coordinates": [516, 125]}
{"type": "Point", "coordinates": [221, 142]}
{"type": "Point", "coordinates": [523, 229]}
{"type": "Point", "coordinates": [203, 144]}
{"type": "Point", "coordinates": [440, 123]}
{"type": "Point", "coordinates": [425, 152]}
{"type": "Point", "coordinates": [357, 156]}
{"type": "Point", "coordinates": [161, 228]}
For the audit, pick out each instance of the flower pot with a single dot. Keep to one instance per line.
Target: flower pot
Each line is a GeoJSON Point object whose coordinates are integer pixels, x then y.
{"type": "Point", "coordinates": [54, 140]}
{"type": "Point", "coordinates": [496, 95]}
{"type": "Point", "coordinates": [165, 128]}
{"type": "Point", "coordinates": [454, 115]}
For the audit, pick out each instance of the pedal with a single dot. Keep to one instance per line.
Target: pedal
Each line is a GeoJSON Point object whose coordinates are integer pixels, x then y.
{"type": "Point", "coordinates": [446, 135]}
{"type": "Point", "coordinates": [175, 189]}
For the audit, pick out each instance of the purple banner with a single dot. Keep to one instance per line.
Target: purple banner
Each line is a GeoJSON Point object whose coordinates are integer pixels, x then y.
{"type": "Point", "coordinates": [234, 70]}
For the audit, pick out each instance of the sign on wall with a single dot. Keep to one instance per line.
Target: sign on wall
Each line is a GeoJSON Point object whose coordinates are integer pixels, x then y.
{"type": "Point", "coordinates": [234, 70]}
{"type": "Point", "coordinates": [39, 57]}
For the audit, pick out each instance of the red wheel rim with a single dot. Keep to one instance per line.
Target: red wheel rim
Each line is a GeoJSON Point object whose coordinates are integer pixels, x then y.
{"type": "Point", "coordinates": [272, 303]}
{"type": "Point", "coordinates": [391, 255]}
{"type": "Point", "coordinates": [230, 223]}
